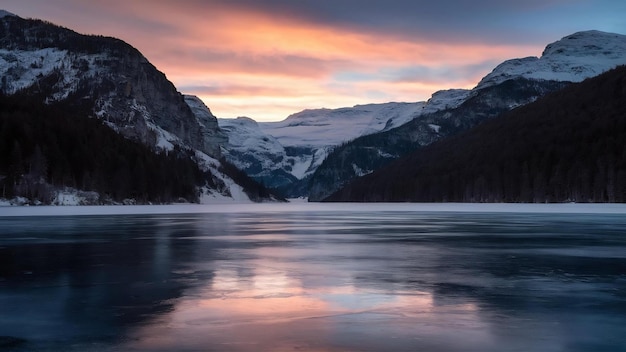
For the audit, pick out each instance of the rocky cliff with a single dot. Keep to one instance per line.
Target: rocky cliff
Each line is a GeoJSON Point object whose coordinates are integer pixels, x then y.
{"type": "Point", "coordinates": [124, 88]}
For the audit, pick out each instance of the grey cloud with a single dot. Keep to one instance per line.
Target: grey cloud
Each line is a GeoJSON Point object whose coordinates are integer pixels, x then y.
{"type": "Point", "coordinates": [460, 20]}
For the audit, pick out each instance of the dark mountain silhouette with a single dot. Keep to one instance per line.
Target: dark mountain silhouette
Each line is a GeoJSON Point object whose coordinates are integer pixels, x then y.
{"type": "Point", "coordinates": [565, 147]}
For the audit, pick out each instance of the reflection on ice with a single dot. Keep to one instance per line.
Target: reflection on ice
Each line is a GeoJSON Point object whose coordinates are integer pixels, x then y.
{"type": "Point", "coordinates": [386, 278]}
{"type": "Point", "coordinates": [270, 310]}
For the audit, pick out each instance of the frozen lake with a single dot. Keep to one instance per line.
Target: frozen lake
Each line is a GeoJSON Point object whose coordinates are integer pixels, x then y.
{"type": "Point", "coordinates": [314, 277]}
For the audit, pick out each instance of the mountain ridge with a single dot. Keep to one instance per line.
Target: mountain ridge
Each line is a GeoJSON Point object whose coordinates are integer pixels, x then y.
{"type": "Point", "coordinates": [565, 147]}
{"type": "Point", "coordinates": [565, 60]}
{"type": "Point", "coordinates": [301, 142]}
{"type": "Point", "coordinates": [510, 89]}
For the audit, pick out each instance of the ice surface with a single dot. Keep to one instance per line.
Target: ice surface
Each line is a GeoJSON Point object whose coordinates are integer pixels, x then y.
{"type": "Point", "coordinates": [243, 205]}
{"type": "Point", "coordinates": [344, 277]}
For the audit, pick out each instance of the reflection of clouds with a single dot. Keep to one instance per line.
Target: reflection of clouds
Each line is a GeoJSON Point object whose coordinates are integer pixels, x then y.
{"type": "Point", "coordinates": [269, 294]}
{"type": "Point", "coordinates": [269, 307]}
{"type": "Point", "coordinates": [317, 281]}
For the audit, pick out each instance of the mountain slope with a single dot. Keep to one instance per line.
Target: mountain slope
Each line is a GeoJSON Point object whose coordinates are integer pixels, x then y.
{"type": "Point", "coordinates": [47, 147]}
{"type": "Point", "coordinates": [108, 79]}
{"type": "Point", "coordinates": [260, 155]}
{"type": "Point", "coordinates": [55, 63]}
{"type": "Point", "coordinates": [567, 146]}
{"type": "Point", "coordinates": [283, 155]}
{"type": "Point", "coordinates": [511, 84]}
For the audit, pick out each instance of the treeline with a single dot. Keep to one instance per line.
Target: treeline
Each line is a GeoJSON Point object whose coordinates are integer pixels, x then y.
{"type": "Point", "coordinates": [28, 34]}
{"type": "Point", "coordinates": [567, 146]}
{"type": "Point", "coordinates": [43, 147]}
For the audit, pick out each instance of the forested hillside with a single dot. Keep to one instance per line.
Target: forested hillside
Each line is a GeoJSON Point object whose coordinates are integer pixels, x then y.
{"type": "Point", "coordinates": [43, 147]}
{"type": "Point", "coordinates": [567, 146]}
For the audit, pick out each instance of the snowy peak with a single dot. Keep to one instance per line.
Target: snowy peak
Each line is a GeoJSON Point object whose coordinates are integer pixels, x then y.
{"type": "Point", "coordinates": [572, 59]}
{"type": "Point", "coordinates": [244, 134]}
{"type": "Point", "coordinates": [446, 99]}
{"type": "Point", "coordinates": [198, 107]}
{"type": "Point", "coordinates": [589, 43]}
{"type": "Point", "coordinates": [212, 137]}
{"type": "Point", "coordinates": [330, 127]}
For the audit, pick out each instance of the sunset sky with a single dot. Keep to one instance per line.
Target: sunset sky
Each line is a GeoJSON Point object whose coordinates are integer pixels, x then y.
{"type": "Point", "coordinates": [267, 59]}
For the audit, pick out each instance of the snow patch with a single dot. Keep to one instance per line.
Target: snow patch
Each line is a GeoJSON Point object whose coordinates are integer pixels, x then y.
{"type": "Point", "coordinates": [232, 192]}
{"type": "Point", "coordinates": [71, 196]}
{"type": "Point", "coordinates": [245, 134]}
{"type": "Point", "coordinates": [302, 166]}
{"type": "Point", "coordinates": [164, 139]}
{"type": "Point", "coordinates": [446, 99]}
{"type": "Point", "coordinates": [21, 69]}
{"type": "Point", "coordinates": [66, 198]}
{"type": "Point", "coordinates": [360, 172]}
{"type": "Point", "coordinates": [434, 127]}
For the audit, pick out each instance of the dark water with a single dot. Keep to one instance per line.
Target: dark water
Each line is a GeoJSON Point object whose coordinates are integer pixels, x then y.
{"type": "Point", "coordinates": [341, 280]}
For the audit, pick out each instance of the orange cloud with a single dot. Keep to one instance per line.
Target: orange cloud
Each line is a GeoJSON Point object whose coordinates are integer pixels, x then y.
{"type": "Point", "coordinates": [244, 61]}
{"type": "Point", "coordinates": [268, 67]}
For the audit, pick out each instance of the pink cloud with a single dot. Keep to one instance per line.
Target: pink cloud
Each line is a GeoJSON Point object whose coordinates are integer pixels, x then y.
{"type": "Point", "coordinates": [275, 64]}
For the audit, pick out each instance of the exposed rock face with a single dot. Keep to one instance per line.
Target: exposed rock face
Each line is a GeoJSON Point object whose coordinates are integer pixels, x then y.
{"type": "Point", "coordinates": [212, 137]}
{"type": "Point", "coordinates": [122, 86]}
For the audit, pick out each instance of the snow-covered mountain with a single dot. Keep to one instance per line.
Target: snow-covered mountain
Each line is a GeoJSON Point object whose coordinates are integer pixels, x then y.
{"type": "Point", "coordinates": [288, 154]}
{"type": "Point", "coordinates": [121, 87]}
{"type": "Point", "coordinates": [291, 152]}
{"type": "Point", "coordinates": [326, 127]}
{"type": "Point", "coordinates": [283, 154]}
{"type": "Point", "coordinates": [260, 155]}
{"type": "Point", "coordinates": [565, 147]}
{"type": "Point", "coordinates": [512, 84]}
{"type": "Point", "coordinates": [572, 59]}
